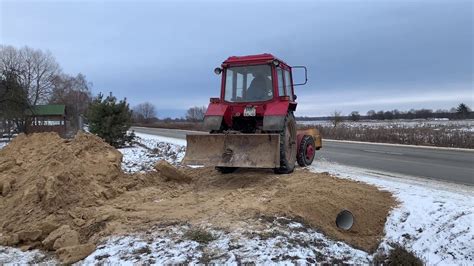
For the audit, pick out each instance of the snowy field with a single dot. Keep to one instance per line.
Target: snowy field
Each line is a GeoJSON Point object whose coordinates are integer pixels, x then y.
{"type": "Point", "coordinates": [434, 220]}
{"type": "Point", "coordinates": [461, 125]}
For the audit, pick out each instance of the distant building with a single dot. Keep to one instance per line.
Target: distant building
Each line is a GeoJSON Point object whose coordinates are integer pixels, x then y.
{"type": "Point", "coordinates": [47, 118]}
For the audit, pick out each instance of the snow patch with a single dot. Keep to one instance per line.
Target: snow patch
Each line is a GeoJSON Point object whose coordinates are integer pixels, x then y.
{"type": "Point", "coordinates": [282, 241]}
{"type": "Point", "coordinates": [434, 219]}
{"type": "Point", "coordinates": [16, 256]}
{"type": "Point", "coordinates": [147, 150]}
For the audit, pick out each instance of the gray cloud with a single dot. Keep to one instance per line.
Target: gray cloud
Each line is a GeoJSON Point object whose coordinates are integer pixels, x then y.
{"type": "Point", "coordinates": [412, 53]}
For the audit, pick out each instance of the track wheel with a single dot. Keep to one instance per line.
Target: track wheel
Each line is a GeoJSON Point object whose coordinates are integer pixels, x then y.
{"type": "Point", "coordinates": [306, 151]}
{"type": "Point", "coordinates": [226, 170]}
{"type": "Point", "coordinates": [287, 146]}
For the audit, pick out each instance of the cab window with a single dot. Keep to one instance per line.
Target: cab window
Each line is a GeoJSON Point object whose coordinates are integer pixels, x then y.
{"type": "Point", "coordinates": [248, 84]}
{"type": "Point", "coordinates": [288, 88]}
{"type": "Point", "coordinates": [281, 86]}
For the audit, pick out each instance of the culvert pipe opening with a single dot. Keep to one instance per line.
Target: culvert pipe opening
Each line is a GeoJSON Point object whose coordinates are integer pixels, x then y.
{"type": "Point", "coordinates": [345, 220]}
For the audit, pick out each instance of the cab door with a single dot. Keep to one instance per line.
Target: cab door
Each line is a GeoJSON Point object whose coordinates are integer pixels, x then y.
{"type": "Point", "coordinates": [288, 83]}
{"type": "Point", "coordinates": [280, 81]}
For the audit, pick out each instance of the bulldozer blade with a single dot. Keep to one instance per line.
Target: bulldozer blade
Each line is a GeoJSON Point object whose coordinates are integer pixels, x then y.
{"type": "Point", "coordinates": [233, 150]}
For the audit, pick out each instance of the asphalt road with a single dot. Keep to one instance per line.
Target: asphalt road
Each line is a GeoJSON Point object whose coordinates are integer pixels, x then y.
{"type": "Point", "coordinates": [452, 165]}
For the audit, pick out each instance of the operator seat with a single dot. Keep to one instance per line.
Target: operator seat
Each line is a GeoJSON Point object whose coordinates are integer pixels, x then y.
{"type": "Point", "coordinates": [259, 88]}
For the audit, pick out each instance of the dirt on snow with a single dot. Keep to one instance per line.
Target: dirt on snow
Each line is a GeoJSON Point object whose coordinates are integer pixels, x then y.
{"type": "Point", "coordinates": [67, 195]}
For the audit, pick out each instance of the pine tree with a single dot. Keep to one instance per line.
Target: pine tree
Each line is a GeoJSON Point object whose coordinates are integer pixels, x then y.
{"type": "Point", "coordinates": [110, 120]}
{"type": "Point", "coordinates": [354, 116]}
{"type": "Point", "coordinates": [462, 111]}
{"type": "Point", "coordinates": [13, 100]}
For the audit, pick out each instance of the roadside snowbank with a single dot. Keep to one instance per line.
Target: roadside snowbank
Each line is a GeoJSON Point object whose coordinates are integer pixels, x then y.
{"type": "Point", "coordinates": [434, 219]}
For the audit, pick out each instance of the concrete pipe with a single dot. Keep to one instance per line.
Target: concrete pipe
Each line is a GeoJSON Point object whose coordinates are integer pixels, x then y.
{"type": "Point", "coordinates": [345, 220]}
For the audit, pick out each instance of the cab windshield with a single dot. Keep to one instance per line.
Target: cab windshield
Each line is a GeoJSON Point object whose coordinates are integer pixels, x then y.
{"type": "Point", "coordinates": [248, 84]}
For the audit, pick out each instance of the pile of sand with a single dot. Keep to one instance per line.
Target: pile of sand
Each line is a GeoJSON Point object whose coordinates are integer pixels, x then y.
{"type": "Point", "coordinates": [47, 182]}
{"type": "Point", "coordinates": [66, 195]}
{"type": "Point", "coordinates": [312, 198]}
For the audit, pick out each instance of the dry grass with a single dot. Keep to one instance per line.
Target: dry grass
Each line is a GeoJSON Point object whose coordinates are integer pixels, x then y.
{"type": "Point", "coordinates": [441, 136]}
{"type": "Point", "coordinates": [200, 235]}
{"type": "Point", "coordinates": [397, 256]}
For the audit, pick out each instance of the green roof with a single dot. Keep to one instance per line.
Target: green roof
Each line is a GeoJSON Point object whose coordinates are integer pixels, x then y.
{"type": "Point", "coordinates": [48, 109]}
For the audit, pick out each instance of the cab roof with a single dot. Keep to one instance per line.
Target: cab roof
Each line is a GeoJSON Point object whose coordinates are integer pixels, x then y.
{"type": "Point", "coordinates": [257, 58]}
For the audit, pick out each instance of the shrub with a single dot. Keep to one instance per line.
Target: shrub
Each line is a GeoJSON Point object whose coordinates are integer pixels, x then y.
{"type": "Point", "coordinates": [110, 120]}
{"type": "Point", "coordinates": [397, 256]}
{"type": "Point", "coordinates": [200, 235]}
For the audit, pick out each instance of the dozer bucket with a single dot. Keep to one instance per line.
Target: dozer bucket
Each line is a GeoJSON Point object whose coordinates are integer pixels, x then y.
{"type": "Point", "coordinates": [233, 150]}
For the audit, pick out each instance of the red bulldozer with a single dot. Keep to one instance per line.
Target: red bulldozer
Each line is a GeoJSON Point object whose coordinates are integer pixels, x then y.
{"type": "Point", "coordinates": [252, 124]}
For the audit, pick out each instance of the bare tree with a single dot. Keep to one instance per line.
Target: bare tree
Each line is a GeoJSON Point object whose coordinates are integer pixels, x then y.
{"type": "Point", "coordinates": [371, 114]}
{"type": "Point", "coordinates": [196, 113]}
{"type": "Point", "coordinates": [336, 118]}
{"type": "Point", "coordinates": [10, 61]}
{"type": "Point", "coordinates": [144, 112]}
{"type": "Point", "coordinates": [75, 93]}
{"type": "Point", "coordinates": [36, 70]}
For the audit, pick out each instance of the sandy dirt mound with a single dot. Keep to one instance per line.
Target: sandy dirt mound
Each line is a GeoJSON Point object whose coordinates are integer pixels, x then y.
{"type": "Point", "coordinates": [66, 195]}
{"type": "Point", "coordinates": [47, 182]}
{"type": "Point", "coordinates": [225, 200]}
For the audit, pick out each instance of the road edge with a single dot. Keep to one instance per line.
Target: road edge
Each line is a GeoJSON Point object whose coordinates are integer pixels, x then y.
{"type": "Point", "coordinates": [399, 145]}
{"type": "Point", "coordinates": [343, 141]}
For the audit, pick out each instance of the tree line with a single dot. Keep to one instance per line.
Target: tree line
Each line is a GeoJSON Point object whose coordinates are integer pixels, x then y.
{"type": "Point", "coordinates": [145, 113]}
{"type": "Point", "coordinates": [30, 77]}
{"type": "Point", "coordinates": [462, 111]}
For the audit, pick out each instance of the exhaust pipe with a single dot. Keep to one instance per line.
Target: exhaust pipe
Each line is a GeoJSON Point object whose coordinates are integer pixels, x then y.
{"type": "Point", "coordinates": [345, 220]}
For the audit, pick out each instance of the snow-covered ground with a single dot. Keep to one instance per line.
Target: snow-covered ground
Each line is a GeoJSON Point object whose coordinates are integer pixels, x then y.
{"type": "Point", "coordinates": [434, 220]}
{"type": "Point", "coordinates": [282, 241]}
{"type": "Point", "coordinates": [456, 125]}
{"type": "Point", "coordinates": [4, 141]}
{"type": "Point", "coordinates": [16, 256]}
{"type": "Point", "coordinates": [148, 150]}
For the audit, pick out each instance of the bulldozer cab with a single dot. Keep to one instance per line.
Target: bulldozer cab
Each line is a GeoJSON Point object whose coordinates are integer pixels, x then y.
{"type": "Point", "coordinates": [248, 84]}
{"type": "Point", "coordinates": [252, 122]}
{"type": "Point", "coordinates": [254, 79]}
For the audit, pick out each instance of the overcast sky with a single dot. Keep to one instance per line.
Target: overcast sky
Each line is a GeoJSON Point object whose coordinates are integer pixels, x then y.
{"type": "Point", "coordinates": [361, 55]}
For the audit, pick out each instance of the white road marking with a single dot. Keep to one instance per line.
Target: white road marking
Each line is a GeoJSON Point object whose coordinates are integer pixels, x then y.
{"type": "Point", "coordinates": [384, 152]}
